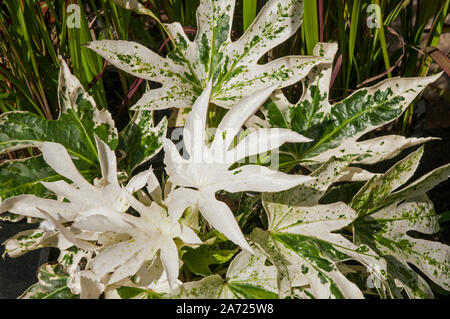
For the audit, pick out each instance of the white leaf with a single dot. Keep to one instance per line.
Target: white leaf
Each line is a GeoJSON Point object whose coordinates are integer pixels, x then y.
{"type": "Point", "coordinates": [264, 140]}
{"type": "Point", "coordinates": [207, 169]}
{"type": "Point", "coordinates": [219, 215]}
{"type": "Point", "coordinates": [260, 179]}
{"type": "Point", "coordinates": [108, 162]}
{"type": "Point", "coordinates": [169, 258]}
{"type": "Point", "coordinates": [138, 181]}
{"type": "Point", "coordinates": [58, 158]}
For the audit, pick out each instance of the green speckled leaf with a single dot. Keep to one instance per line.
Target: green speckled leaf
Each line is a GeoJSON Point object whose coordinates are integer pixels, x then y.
{"type": "Point", "coordinates": [337, 128]}
{"type": "Point", "coordinates": [304, 240]}
{"type": "Point", "coordinates": [232, 66]}
{"type": "Point", "coordinates": [52, 284]}
{"type": "Point", "coordinates": [387, 232]}
{"type": "Point", "coordinates": [383, 190]}
{"type": "Point", "coordinates": [248, 277]}
{"type": "Point", "coordinates": [307, 194]}
{"type": "Point", "coordinates": [374, 193]}
{"type": "Point", "coordinates": [386, 217]}
{"type": "Point", "coordinates": [141, 140]}
{"type": "Point", "coordinates": [422, 184]}
{"type": "Point", "coordinates": [41, 237]}
{"type": "Point", "coordinates": [302, 236]}
{"type": "Point", "coordinates": [25, 241]}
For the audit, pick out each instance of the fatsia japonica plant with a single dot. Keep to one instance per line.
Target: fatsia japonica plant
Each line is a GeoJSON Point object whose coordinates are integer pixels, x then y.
{"type": "Point", "coordinates": [277, 201]}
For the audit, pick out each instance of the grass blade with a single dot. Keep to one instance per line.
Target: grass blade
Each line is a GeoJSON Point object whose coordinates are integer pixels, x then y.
{"type": "Point", "coordinates": [249, 8]}
{"type": "Point", "coordinates": [310, 25]}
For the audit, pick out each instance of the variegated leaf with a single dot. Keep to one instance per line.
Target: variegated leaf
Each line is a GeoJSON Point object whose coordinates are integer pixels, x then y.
{"type": "Point", "coordinates": [212, 56]}
{"type": "Point", "coordinates": [28, 240]}
{"type": "Point", "coordinates": [78, 121]}
{"type": "Point", "coordinates": [356, 174]}
{"type": "Point", "coordinates": [336, 129]}
{"type": "Point", "coordinates": [247, 277]}
{"type": "Point", "coordinates": [307, 194]}
{"type": "Point", "coordinates": [381, 191]}
{"type": "Point", "coordinates": [388, 231]}
{"type": "Point", "coordinates": [302, 242]}
{"type": "Point", "coordinates": [305, 249]}
{"type": "Point", "coordinates": [72, 259]}
{"type": "Point", "coordinates": [389, 211]}
{"type": "Point", "coordinates": [24, 176]}
{"type": "Point", "coordinates": [141, 140]}
{"type": "Point", "coordinates": [52, 284]}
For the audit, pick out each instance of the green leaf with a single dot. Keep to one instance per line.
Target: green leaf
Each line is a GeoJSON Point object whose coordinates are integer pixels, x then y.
{"type": "Point", "coordinates": [232, 66]}
{"type": "Point", "coordinates": [311, 25]}
{"type": "Point", "coordinates": [52, 284]}
{"type": "Point", "coordinates": [337, 128]}
{"type": "Point", "coordinates": [444, 217]}
{"type": "Point", "coordinates": [199, 259]}
{"type": "Point", "coordinates": [141, 140]}
{"type": "Point", "coordinates": [137, 293]}
{"type": "Point", "coordinates": [249, 8]}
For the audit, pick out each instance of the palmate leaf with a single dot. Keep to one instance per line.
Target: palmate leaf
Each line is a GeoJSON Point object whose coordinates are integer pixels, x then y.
{"type": "Point", "coordinates": [387, 217]}
{"type": "Point", "coordinates": [302, 241]}
{"type": "Point", "coordinates": [208, 168]}
{"type": "Point", "coordinates": [248, 277]}
{"type": "Point", "coordinates": [78, 121]}
{"type": "Point", "coordinates": [336, 129]}
{"type": "Point", "coordinates": [306, 252]}
{"type": "Point", "coordinates": [52, 284]}
{"type": "Point", "coordinates": [231, 66]}
{"type": "Point", "coordinates": [388, 232]}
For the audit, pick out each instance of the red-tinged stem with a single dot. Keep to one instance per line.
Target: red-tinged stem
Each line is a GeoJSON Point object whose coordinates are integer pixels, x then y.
{"type": "Point", "coordinates": [320, 5]}
{"type": "Point", "coordinates": [336, 70]}
{"type": "Point", "coordinates": [440, 58]}
{"type": "Point", "coordinates": [97, 77]}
